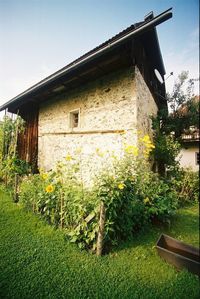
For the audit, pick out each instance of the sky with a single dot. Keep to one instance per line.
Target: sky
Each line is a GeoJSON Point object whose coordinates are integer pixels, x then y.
{"type": "Point", "coordinates": [38, 37]}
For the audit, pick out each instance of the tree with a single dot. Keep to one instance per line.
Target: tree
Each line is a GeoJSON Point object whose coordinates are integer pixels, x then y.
{"type": "Point", "coordinates": [170, 125]}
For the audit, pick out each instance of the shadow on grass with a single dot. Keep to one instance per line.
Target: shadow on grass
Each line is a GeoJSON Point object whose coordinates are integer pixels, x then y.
{"type": "Point", "coordinates": [183, 226]}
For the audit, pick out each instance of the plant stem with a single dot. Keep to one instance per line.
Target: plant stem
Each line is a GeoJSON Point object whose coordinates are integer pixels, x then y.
{"type": "Point", "coordinates": [101, 229]}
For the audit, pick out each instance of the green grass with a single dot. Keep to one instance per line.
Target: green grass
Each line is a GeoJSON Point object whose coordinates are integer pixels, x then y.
{"type": "Point", "coordinates": [37, 262]}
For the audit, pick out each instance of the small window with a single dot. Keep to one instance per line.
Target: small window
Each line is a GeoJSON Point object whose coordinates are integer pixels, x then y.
{"type": "Point", "coordinates": [197, 158]}
{"type": "Point", "coordinates": [74, 118]}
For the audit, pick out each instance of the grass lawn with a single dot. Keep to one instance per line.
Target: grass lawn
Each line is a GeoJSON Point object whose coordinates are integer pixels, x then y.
{"type": "Point", "coordinates": [37, 262]}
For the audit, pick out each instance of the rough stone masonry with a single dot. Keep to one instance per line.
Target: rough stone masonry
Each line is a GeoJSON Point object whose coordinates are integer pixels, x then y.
{"type": "Point", "coordinates": [111, 110]}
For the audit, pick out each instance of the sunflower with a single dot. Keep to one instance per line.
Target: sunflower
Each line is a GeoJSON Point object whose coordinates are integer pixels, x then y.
{"type": "Point", "coordinates": [49, 189]}
{"type": "Point", "coordinates": [146, 200]}
{"type": "Point", "coordinates": [121, 186]}
{"type": "Point", "coordinates": [44, 176]}
{"type": "Point", "coordinates": [131, 149]}
{"type": "Point", "coordinates": [68, 158]}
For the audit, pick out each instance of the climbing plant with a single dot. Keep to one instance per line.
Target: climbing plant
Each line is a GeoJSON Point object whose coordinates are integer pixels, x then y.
{"type": "Point", "coordinates": [10, 129]}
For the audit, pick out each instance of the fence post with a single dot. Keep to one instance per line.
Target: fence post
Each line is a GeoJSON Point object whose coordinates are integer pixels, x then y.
{"type": "Point", "coordinates": [6, 180]}
{"type": "Point", "coordinates": [101, 229]}
{"type": "Point", "coordinates": [16, 187]}
{"type": "Point", "coordinates": [61, 207]}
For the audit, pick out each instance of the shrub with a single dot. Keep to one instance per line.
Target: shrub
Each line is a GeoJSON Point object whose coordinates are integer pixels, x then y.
{"type": "Point", "coordinates": [133, 202]}
{"type": "Point", "coordinates": [165, 152]}
{"type": "Point", "coordinates": [60, 198]}
{"type": "Point", "coordinates": [30, 192]}
{"type": "Point", "coordinates": [133, 195]}
{"type": "Point", "coordinates": [186, 185]}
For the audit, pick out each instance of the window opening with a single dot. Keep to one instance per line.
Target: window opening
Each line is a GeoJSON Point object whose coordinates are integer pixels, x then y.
{"type": "Point", "coordinates": [197, 158]}
{"type": "Point", "coordinates": [74, 119]}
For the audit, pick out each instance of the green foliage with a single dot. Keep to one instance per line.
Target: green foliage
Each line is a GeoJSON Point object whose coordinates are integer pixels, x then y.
{"type": "Point", "coordinates": [60, 198]}
{"type": "Point", "coordinates": [14, 165]}
{"type": "Point", "coordinates": [186, 185]}
{"type": "Point", "coordinates": [160, 200]}
{"type": "Point", "coordinates": [143, 198]}
{"type": "Point", "coordinates": [10, 130]}
{"type": "Point", "coordinates": [132, 194]}
{"type": "Point", "coordinates": [1, 140]}
{"type": "Point", "coordinates": [30, 189]}
{"type": "Point", "coordinates": [11, 166]}
{"type": "Point", "coordinates": [168, 127]}
{"type": "Point", "coordinates": [10, 163]}
{"type": "Point", "coordinates": [166, 150]}
{"type": "Point", "coordinates": [124, 211]}
{"type": "Point", "coordinates": [37, 262]}
{"type": "Point", "coordinates": [184, 108]}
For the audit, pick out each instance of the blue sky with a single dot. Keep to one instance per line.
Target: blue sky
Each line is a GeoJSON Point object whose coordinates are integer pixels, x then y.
{"type": "Point", "coordinates": [37, 37]}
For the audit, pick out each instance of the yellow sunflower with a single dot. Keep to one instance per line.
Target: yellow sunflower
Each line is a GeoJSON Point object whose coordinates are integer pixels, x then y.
{"type": "Point", "coordinates": [131, 149]}
{"type": "Point", "coordinates": [68, 158]}
{"type": "Point", "coordinates": [146, 200]}
{"type": "Point", "coordinates": [121, 186]}
{"type": "Point", "coordinates": [44, 176]}
{"type": "Point", "coordinates": [49, 188]}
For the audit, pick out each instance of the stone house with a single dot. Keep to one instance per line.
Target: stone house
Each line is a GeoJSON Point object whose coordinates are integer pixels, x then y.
{"type": "Point", "coordinates": [92, 102]}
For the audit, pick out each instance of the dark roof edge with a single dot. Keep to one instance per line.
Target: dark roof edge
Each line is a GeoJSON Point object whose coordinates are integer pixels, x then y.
{"type": "Point", "coordinates": [93, 53]}
{"type": "Point", "coordinates": [159, 51]}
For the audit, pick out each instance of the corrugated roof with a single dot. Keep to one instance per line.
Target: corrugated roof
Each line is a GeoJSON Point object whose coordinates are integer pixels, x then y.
{"type": "Point", "coordinates": [91, 54]}
{"type": "Point", "coordinates": [112, 39]}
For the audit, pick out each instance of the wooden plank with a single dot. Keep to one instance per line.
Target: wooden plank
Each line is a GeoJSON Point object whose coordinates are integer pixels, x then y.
{"type": "Point", "coordinates": [27, 147]}
{"type": "Point", "coordinates": [84, 132]}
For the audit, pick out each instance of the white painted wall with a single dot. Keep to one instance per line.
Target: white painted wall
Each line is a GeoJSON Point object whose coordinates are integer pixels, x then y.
{"type": "Point", "coordinates": [188, 158]}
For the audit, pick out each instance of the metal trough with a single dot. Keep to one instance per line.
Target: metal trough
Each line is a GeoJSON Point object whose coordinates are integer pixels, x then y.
{"type": "Point", "coordinates": [179, 254]}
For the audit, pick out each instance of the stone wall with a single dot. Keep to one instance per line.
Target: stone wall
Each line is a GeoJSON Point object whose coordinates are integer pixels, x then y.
{"type": "Point", "coordinates": [112, 109]}
{"type": "Point", "coordinates": [146, 106]}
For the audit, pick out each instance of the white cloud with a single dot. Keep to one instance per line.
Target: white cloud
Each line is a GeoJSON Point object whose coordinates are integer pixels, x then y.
{"type": "Point", "coordinates": [20, 82]}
